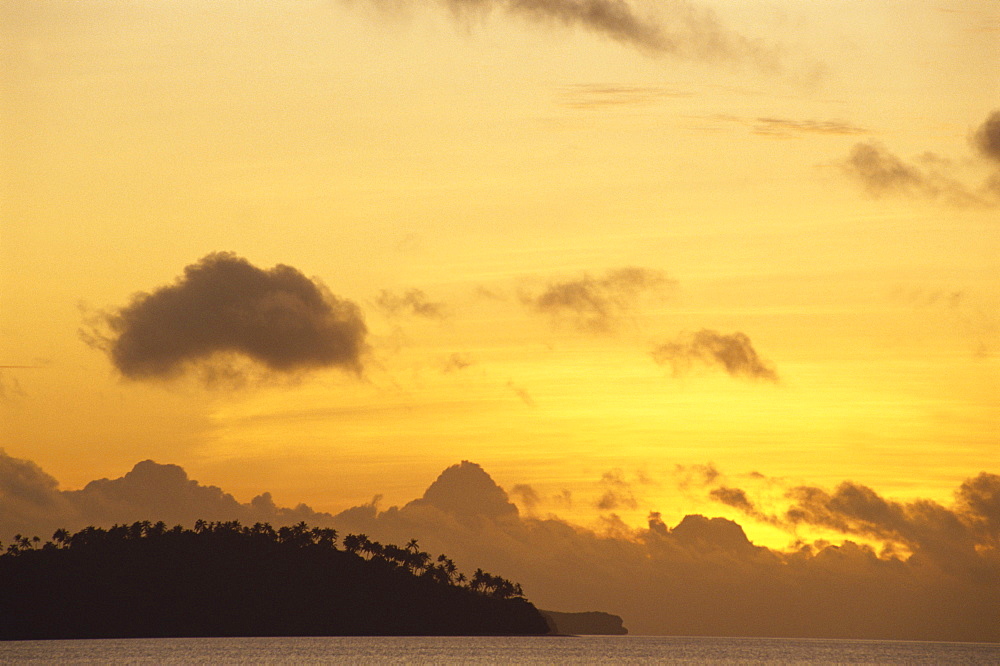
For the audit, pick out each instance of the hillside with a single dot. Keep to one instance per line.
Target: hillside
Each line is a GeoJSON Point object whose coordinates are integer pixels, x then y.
{"type": "Point", "coordinates": [224, 579]}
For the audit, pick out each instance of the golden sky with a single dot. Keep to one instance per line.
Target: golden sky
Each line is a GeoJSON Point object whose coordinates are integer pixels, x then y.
{"type": "Point", "coordinates": [592, 253]}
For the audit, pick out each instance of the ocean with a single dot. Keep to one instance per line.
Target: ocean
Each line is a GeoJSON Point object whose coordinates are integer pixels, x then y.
{"type": "Point", "coordinates": [496, 650]}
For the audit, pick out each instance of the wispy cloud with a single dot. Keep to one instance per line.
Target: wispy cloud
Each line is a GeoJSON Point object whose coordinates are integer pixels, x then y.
{"type": "Point", "coordinates": [522, 393]}
{"type": "Point", "coordinates": [597, 304]}
{"type": "Point", "coordinates": [600, 96]}
{"type": "Point", "coordinates": [788, 127]}
{"type": "Point", "coordinates": [775, 127]}
{"type": "Point", "coordinates": [411, 302]}
{"type": "Point", "coordinates": [617, 492]}
{"type": "Point", "coordinates": [678, 28]}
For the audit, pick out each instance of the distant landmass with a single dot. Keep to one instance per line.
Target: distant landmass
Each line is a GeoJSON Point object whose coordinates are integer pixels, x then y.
{"type": "Point", "coordinates": [589, 623]}
{"type": "Point", "coordinates": [224, 579]}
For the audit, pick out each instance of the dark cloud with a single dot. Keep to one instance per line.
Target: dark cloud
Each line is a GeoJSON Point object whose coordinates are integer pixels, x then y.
{"type": "Point", "coordinates": [881, 172]}
{"type": "Point", "coordinates": [987, 137]}
{"type": "Point", "coordinates": [526, 495]}
{"type": "Point", "coordinates": [737, 498]}
{"type": "Point", "coordinates": [596, 304]}
{"type": "Point", "coordinates": [949, 537]}
{"type": "Point", "coordinates": [467, 492]}
{"type": "Point", "coordinates": [677, 28]}
{"type": "Point", "coordinates": [733, 352]}
{"type": "Point", "coordinates": [702, 576]}
{"type": "Point", "coordinates": [733, 497]}
{"type": "Point", "coordinates": [223, 306]}
{"type": "Point", "coordinates": [980, 499]}
{"type": "Point", "coordinates": [412, 302]}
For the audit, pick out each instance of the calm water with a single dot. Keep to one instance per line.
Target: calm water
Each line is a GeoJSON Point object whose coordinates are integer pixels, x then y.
{"type": "Point", "coordinates": [506, 650]}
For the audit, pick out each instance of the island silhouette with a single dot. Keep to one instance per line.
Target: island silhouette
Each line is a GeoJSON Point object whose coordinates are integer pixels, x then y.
{"type": "Point", "coordinates": [146, 580]}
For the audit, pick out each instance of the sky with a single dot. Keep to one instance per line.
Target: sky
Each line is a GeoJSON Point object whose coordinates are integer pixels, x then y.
{"type": "Point", "coordinates": [629, 257]}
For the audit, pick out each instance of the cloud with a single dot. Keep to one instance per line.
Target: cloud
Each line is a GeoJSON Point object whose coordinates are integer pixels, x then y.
{"type": "Point", "coordinates": [733, 497]}
{"type": "Point", "coordinates": [596, 304]}
{"type": "Point", "coordinates": [987, 137]}
{"type": "Point", "coordinates": [733, 352]}
{"type": "Point", "coordinates": [597, 96]}
{"type": "Point", "coordinates": [677, 28]}
{"type": "Point", "coordinates": [457, 362]}
{"type": "Point", "coordinates": [31, 502]}
{"type": "Point", "coordinates": [412, 302]}
{"type": "Point", "coordinates": [700, 476]}
{"type": "Point", "coordinates": [949, 537]}
{"type": "Point", "coordinates": [522, 393]}
{"type": "Point", "coordinates": [786, 127]}
{"type": "Point", "coordinates": [737, 498]}
{"type": "Point", "coordinates": [222, 305]}
{"type": "Point", "coordinates": [881, 172]}
{"type": "Point", "coordinates": [617, 492]}
{"type": "Point", "coordinates": [10, 388]}
{"type": "Point", "coordinates": [702, 576]}
{"type": "Point", "coordinates": [526, 495]}
{"type": "Point", "coordinates": [716, 580]}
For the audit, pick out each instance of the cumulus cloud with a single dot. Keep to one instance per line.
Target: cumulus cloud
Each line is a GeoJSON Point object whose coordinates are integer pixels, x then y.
{"type": "Point", "coordinates": [734, 353]}
{"type": "Point", "coordinates": [881, 172]}
{"type": "Point", "coordinates": [597, 304]}
{"type": "Point", "coordinates": [702, 576]}
{"type": "Point", "coordinates": [412, 302]}
{"type": "Point", "coordinates": [224, 306]}
{"type": "Point", "coordinates": [949, 537]}
{"type": "Point", "coordinates": [32, 503]}
{"type": "Point", "coordinates": [716, 580]}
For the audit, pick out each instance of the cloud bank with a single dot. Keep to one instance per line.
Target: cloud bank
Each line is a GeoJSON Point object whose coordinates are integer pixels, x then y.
{"type": "Point", "coordinates": [734, 353]}
{"type": "Point", "coordinates": [702, 576]}
{"type": "Point", "coordinates": [31, 502]}
{"type": "Point", "coordinates": [222, 305]}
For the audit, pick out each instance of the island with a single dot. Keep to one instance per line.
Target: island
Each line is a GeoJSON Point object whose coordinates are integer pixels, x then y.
{"type": "Point", "coordinates": [590, 623]}
{"type": "Point", "coordinates": [224, 579]}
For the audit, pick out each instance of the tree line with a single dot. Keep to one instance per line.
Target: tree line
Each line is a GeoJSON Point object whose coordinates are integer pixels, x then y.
{"type": "Point", "coordinates": [227, 579]}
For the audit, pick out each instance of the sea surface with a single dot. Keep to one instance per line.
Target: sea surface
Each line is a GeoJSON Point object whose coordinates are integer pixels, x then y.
{"type": "Point", "coordinates": [495, 650]}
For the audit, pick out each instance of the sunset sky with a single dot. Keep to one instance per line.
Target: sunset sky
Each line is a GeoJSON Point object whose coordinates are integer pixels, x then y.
{"type": "Point", "coordinates": [605, 250]}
